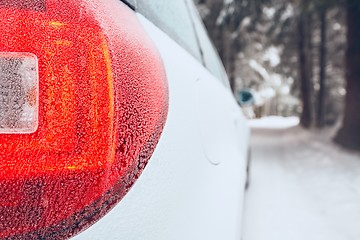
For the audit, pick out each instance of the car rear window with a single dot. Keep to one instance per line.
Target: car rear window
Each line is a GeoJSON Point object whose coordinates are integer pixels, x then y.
{"type": "Point", "coordinates": [174, 19]}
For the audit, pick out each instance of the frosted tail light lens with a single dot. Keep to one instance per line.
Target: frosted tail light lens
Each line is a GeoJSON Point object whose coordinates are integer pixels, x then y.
{"type": "Point", "coordinates": [100, 107]}
{"type": "Point", "coordinates": [18, 93]}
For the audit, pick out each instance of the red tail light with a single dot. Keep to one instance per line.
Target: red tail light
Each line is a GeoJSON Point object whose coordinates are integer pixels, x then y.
{"type": "Point", "coordinates": [102, 107]}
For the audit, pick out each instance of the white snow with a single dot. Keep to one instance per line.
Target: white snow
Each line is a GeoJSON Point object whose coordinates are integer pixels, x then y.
{"type": "Point", "coordinates": [303, 186]}
{"type": "Point", "coordinates": [259, 69]}
{"type": "Point", "coordinates": [269, 12]}
{"type": "Point", "coordinates": [228, 2]}
{"type": "Point", "coordinates": [228, 9]}
{"type": "Point", "coordinates": [272, 55]}
{"type": "Point", "coordinates": [221, 17]}
{"type": "Point", "coordinates": [274, 122]}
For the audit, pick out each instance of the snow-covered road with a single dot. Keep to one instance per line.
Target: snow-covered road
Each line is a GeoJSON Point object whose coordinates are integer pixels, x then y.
{"type": "Point", "coordinates": [303, 187]}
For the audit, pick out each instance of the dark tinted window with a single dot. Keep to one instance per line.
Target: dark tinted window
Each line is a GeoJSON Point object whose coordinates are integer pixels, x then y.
{"type": "Point", "coordinates": [172, 16]}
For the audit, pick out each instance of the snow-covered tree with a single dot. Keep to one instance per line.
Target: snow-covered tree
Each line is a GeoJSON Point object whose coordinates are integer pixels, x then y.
{"type": "Point", "coordinates": [259, 43]}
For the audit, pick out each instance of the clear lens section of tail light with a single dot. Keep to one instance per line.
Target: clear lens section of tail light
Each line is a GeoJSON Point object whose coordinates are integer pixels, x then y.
{"type": "Point", "coordinates": [18, 93]}
{"type": "Point", "coordinates": [100, 103]}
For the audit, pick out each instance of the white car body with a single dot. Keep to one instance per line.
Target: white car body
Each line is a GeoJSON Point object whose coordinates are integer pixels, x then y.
{"type": "Point", "coordinates": [117, 121]}
{"type": "Point", "coordinates": [193, 185]}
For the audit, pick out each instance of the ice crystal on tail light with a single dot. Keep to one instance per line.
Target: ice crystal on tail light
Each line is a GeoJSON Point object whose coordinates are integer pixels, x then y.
{"type": "Point", "coordinates": [36, 5]}
{"type": "Point", "coordinates": [101, 102]}
{"type": "Point", "coordinates": [18, 93]}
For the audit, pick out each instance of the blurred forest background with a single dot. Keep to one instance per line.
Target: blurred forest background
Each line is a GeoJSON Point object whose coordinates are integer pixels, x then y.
{"type": "Point", "coordinates": [299, 57]}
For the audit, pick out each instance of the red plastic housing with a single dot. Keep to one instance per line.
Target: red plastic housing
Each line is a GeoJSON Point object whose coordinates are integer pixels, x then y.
{"type": "Point", "coordinates": [102, 106]}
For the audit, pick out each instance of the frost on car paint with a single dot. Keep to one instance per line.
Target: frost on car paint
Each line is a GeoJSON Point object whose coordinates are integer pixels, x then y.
{"type": "Point", "coordinates": [102, 107]}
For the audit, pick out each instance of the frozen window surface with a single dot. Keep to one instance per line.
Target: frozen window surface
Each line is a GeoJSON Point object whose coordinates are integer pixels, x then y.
{"type": "Point", "coordinates": [211, 58]}
{"type": "Point", "coordinates": [174, 19]}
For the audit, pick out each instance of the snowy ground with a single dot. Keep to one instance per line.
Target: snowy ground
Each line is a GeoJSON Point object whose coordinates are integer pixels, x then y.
{"type": "Point", "coordinates": [303, 187]}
